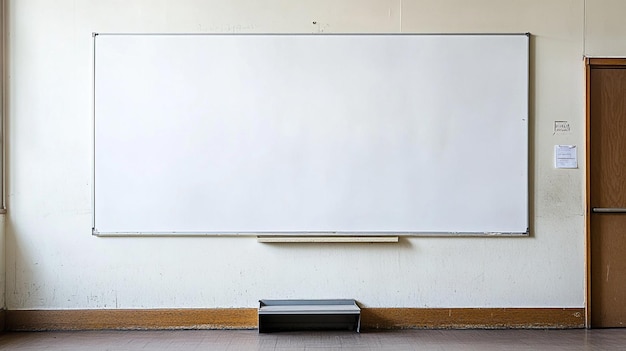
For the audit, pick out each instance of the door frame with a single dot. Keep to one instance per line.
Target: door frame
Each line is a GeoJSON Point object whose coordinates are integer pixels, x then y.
{"type": "Point", "coordinates": [591, 63]}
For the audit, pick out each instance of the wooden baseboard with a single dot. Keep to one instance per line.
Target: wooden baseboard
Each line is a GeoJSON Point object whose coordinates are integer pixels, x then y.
{"type": "Point", "coordinates": [227, 318]}
{"type": "Point", "coordinates": [247, 318]}
{"type": "Point", "coordinates": [472, 318]}
{"type": "Point", "coordinates": [2, 318]}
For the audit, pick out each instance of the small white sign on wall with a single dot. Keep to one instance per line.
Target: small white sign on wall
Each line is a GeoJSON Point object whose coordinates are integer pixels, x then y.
{"type": "Point", "coordinates": [562, 127]}
{"type": "Point", "coordinates": [565, 156]}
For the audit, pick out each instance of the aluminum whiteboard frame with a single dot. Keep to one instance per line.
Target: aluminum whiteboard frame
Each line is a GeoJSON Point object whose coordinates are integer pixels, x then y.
{"type": "Point", "coordinates": [96, 233]}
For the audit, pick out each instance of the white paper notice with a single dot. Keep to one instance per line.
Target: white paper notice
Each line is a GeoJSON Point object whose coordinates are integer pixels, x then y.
{"type": "Point", "coordinates": [565, 156]}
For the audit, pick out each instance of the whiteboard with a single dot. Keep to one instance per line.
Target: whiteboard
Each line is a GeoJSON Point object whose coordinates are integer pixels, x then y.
{"type": "Point", "coordinates": [310, 134]}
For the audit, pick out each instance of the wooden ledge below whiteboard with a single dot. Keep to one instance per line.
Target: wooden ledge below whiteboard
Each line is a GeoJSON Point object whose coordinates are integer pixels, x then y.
{"type": "Point", "coordinates": [327, 239]}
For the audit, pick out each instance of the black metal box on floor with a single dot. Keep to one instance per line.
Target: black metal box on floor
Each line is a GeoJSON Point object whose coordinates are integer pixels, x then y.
{"type": "Point", "coordinates": [282, 315]}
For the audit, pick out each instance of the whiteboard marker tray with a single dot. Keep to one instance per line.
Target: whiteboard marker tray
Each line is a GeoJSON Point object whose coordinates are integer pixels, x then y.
{"type": "Point", "coordinates": [282, 315]}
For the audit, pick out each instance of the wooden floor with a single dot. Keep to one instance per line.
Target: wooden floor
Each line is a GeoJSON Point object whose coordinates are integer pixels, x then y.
{"type": "Point", "coordinates": [441, 340]}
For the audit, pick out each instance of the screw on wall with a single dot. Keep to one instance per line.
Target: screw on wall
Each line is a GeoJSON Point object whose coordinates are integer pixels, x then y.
{"type": "Point", "coordinates": [320, 27]}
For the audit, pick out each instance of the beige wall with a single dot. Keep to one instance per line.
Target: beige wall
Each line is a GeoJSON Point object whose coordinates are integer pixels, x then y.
{"type": "Point", "coordinates": [53, 262]}
{"type": "Point", "coordinates": [605, 28]}
{"type": "Point", "coordinates": [2, 216]}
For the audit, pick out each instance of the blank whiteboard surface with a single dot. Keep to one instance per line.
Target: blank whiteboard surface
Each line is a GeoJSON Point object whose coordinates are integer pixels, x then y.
{"type": "Point", "coordinates": [284, 134]}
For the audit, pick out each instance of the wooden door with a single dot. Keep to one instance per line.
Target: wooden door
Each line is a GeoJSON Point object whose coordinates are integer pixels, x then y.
{"type": "Point", "coordinates": [607, 197]}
